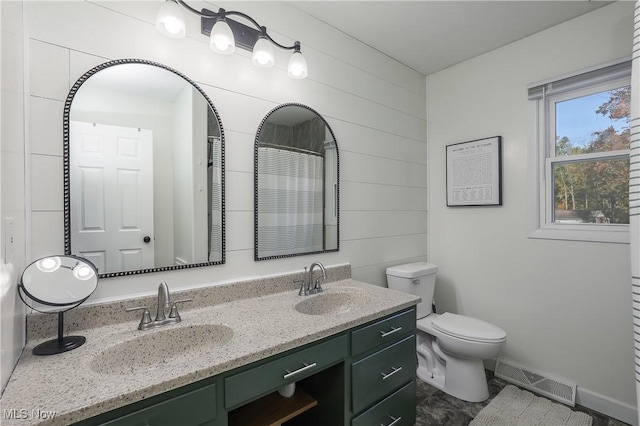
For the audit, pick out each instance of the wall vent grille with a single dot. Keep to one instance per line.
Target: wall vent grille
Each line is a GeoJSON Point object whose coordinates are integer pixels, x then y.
{"type": "Point", "coordinates": [541, 383]}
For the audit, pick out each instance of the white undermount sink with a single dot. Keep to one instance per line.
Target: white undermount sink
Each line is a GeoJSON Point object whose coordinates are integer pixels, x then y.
{"type": "Point", "coordinates": [160, 348]}
{"type": "Point", "coordinates": [334, 302]}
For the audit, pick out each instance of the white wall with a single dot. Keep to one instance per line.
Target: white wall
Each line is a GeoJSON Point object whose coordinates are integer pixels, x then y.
{"type": "Point", "coordinates": [566, 306]}
{"type": "Point", "coordinates": [12, 258]}
{"type": "Point", "coordinates": [183, 200]}
{"type": "Point", "coordinates": [375, 106]}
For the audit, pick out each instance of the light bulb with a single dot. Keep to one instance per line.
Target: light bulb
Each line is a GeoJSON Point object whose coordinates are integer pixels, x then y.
{"type": "Point", "coordinates": [170, 20]}
{"type": "Point", "coordinates": [173, 25]}
{"type": "Point", "coordinates": [221, 39]}
{"type": "Point", "coordinates": [297, 67]}
{"type": "Point", "coordinates": [83, 272]}
{"type": "Point", "coordinates": [263, 53]}
{"type": "Point", "coordinates": [49, 264]}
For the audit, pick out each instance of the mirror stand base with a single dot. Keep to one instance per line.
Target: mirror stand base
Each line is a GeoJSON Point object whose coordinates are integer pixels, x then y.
{"type": "Point", "coordinates": [57, 346]}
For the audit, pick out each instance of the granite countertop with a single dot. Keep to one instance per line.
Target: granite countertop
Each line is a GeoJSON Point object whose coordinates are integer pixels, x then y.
{"type": "Point", "coordinates": [67, 388]}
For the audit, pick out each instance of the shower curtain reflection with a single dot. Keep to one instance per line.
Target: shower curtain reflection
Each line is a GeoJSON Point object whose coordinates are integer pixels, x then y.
{"type": "Point", "coordinates": [214, 175]}
{"type": "Point", "coordinates": [290, 201]}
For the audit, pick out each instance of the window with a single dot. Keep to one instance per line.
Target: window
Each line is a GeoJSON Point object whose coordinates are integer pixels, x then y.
{"type": "Point", "coordinates": [582, 168]}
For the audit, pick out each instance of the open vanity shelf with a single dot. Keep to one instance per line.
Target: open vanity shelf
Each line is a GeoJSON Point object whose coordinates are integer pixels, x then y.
{"type": "Point", "coordinates": [272, 410]}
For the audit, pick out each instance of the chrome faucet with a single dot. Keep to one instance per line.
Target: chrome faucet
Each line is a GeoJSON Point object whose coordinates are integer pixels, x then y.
{"type": "Point", "coordinates": [163, 301]}
{"type": "Point", "coordinates": [164, 304]}
{"type": "Point", "coordinates": [317, 288]}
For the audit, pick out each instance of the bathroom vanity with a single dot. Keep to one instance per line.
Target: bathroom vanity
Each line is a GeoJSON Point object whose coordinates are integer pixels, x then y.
{"type": "Point", "coordinates": [361, 377]}
{"type": "Point", "coordinates": [351, 353]}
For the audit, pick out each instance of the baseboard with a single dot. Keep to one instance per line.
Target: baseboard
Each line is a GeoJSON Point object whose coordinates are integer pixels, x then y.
{"type": "Point", "coordinates": [594, 401]}
{"type": "Point", "coordinates": [611, 407]}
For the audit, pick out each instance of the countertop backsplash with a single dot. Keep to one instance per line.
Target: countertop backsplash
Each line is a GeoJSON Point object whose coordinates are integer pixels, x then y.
{"type": "Point", "coordinates": [40, 325]}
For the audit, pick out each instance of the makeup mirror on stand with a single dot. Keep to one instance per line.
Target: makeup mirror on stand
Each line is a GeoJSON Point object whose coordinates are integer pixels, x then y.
{"type": "Point", "coordinates": [56, 284]}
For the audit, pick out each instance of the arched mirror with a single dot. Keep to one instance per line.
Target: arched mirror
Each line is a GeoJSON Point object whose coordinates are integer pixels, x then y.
{"type": "Point", "coordinates": [296, 184]}
{"type": "Point", "coordinates": [143, 170]}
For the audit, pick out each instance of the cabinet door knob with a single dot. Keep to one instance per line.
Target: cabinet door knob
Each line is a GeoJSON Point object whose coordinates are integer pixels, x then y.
{"type": "Point", "coordinates": [147, 239]}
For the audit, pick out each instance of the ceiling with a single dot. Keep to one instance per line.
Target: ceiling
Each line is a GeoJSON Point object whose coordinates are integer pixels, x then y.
{"type": "Point", "coordinates": [429, 36]}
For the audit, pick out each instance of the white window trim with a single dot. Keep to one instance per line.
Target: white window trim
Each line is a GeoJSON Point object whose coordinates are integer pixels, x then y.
{"type": "Point", "coordinates": [539, 210]}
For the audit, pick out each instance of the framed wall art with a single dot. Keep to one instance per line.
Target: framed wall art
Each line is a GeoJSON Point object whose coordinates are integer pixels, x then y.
{"type": "Point", "coordinates": [474, 173]}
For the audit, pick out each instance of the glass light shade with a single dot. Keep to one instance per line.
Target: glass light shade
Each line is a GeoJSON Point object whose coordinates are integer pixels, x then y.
{"type": "Point", "coordinates": [170, 20]}
{"type": "Point", "coordinates": [221, 39]}
{"type": "Point", "coordinates": [263, 53]}
{"type": "Point", "coordinates": [297, 67]}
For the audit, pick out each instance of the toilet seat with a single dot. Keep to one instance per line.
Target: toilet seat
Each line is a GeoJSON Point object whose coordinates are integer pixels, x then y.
{"type": "Point", "coordinates": [468, 328]}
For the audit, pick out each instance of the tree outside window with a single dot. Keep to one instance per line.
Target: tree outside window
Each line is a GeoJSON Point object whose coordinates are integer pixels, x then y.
{"type": "Point", "coordinates": [590, 168]}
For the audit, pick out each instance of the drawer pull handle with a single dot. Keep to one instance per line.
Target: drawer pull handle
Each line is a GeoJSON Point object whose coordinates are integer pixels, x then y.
{"type": "Point", "coordinates": [394, 371]}
{"type": "Point", "coordinates": [395, 420]}
{"type": "Point", "coordinates": [384, 334]}
{"type": "Point", "coordinates": [299, 370]}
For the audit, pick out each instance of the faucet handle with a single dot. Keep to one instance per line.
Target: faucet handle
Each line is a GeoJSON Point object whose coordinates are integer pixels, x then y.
{"type": "Point", "coordinates": [174, 309]}
{"type": "Point", "coordinates": [303, 291]}
{"type": "Point", "coordinates": [318, 288]}
{"type": "Point", "coordinates": [146, 315]}
{"type": "Point", "coordinates": [301, 282]}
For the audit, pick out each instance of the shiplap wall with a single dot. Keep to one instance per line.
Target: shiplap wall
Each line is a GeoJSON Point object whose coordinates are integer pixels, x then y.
{"type": "Point", "coordinates": [12, 130]}
{"type": "Point", "coordinates": [375, 106]}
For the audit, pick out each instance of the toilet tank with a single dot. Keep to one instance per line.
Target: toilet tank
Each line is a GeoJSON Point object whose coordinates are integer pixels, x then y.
{"type": "Point", "coordinates": [417, 278]}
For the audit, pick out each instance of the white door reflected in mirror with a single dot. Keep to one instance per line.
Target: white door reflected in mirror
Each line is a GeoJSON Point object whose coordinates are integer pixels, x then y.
{"type": "Point", "coordinates": [112, 206]}
{"type": "Point", "coordinates": [144, 170]}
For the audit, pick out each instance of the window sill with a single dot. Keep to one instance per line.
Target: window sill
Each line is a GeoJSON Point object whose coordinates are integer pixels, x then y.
{"type": "Point", "coordinates": [592, 236]}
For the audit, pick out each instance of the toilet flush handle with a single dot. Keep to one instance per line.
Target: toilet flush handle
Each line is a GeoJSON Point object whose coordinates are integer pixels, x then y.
{"type": "Point", "coordinates": [415, 281]}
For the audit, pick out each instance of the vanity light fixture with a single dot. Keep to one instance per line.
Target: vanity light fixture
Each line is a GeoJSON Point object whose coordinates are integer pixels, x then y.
{"type": "Point", "coordinates": [225, 34]}
{"type": "Point", "coordinates": [170, 20]}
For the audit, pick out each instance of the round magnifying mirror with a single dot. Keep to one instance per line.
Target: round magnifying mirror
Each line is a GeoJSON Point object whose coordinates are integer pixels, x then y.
{"type": "Point", "coordinates": [55, 284]}
{"type": "Point", "coordinates": [59, 281]}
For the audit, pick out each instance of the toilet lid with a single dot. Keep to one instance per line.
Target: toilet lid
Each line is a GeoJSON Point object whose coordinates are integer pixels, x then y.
{"type": "Point", "coordinates": [468, 328]}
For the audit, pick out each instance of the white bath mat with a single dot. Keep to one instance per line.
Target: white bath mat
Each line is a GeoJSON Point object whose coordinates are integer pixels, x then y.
{"type": "Point", "coordinates": [516, 407]}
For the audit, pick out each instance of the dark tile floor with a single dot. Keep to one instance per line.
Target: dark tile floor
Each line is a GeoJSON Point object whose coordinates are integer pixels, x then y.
{"type": "Point", "coordinates": [436, 408]}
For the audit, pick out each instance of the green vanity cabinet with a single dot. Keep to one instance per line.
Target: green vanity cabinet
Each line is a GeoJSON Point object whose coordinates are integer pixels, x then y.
{"type": "Point", "coordinates": [257, 381]}
{"type": "Point", "coordinates": [359, 377]}
{"type": "Point", "coordinates": [194, 404]}
{"type": "Point", "coordinates": [383, 371]}
{"type": "Point", "coordinates": [382, 332]}
{"type": "Point", "coordinates": [398, 409]}
{"type": "Point", "coordinates": [194, 407]}
{"type": "Point", "coordinates": [380, 374]}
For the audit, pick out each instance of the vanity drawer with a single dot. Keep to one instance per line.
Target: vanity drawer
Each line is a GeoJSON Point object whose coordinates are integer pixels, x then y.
{"type": "Point", "coordinates": [383, 372]}
{"type": "Point", "coordinates": [245, 386]}
{"type": "Point", "coordinates": [384, 331]}
{"type": "Point", "coordinates": [399, 409]}
{"type": "Point", "coordinates": [194, 408]}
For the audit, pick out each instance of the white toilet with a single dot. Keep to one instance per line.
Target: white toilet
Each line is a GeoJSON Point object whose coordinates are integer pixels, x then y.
{"type": "Point", "coordinates": [450, 347]}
